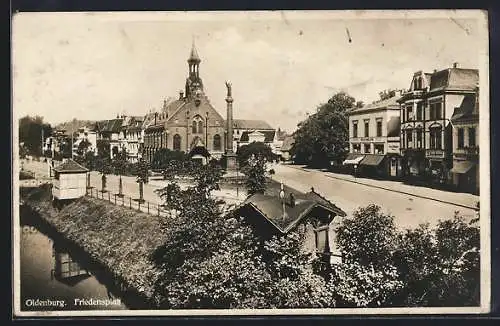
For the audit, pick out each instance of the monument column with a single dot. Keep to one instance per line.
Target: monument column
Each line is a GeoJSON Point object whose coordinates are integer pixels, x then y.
{"type": "Point", "coordinates": [229, 154]}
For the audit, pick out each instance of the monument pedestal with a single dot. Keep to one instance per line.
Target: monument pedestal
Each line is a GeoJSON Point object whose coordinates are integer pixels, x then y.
{"type": "Point", "coordinates": [231, 162]}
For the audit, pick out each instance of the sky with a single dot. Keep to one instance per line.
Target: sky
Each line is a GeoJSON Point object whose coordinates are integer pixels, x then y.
{"type": "Point", "coordinates": [282, 65]}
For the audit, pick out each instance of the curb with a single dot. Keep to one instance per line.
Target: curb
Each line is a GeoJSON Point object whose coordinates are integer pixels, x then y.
{"type": "Point", "coordinates": [392, 190]}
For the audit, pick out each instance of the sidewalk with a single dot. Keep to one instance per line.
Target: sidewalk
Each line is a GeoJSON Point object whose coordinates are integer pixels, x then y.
{"type": "Point", "coordinates": [458, 199]}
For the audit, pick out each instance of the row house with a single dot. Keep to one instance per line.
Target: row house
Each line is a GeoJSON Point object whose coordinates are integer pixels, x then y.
{"type": "Point", "coordinates": [426, 128]}
{"type": "Point", "coordinates": [108, 134]}
{"type": "Point", "coordinates": [374, 138]}
{"type": "Point", "coordinates": [465, 121]}
{"type": "Point", "coordinates": [130, 137]}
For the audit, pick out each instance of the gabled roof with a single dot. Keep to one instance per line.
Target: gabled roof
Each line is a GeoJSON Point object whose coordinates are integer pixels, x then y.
{"type": "Point", "coordinates": [454, 79]}
{"type": "Point", "coordinates": [268, 135]}
{"type": "Point", "coordinates": [287, 143]}
{"type": "Point", "coordinates": [113, 125]}
{"type": "Point", "coordinates": [251, 124]}
{"type": "Point", "coordinates": [70, 166]}
{"type": "Point", "coordinates": [270, 207]}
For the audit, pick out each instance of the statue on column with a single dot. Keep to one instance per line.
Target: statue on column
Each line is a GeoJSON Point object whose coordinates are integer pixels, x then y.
{"type": "Point", "coordinates": [228, 86]}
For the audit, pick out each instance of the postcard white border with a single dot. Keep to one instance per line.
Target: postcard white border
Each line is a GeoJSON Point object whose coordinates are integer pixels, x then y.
{"type": "Point", "coordinates": [484, 131]}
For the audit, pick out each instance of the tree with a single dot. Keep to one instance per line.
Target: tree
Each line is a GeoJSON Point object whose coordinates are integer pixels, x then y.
{"type": "Point", "coordinates": [103, 148]}
{"type": "Point", "coordinates": [255, 148]}
{"type": "Point", "coordinates": [440, 267]}
{"type": "Point", "coordinates": [225, 264]}
{"type": "Point", "coordinates": [163, 156]}
{"type": "Point", "coordinates": [120, 164]}
{"type": "Point", "coordinates": [142, 177]}
{"type": "Point", "coordinates": [324, 135]}
{"type": "Point", "coordinates": [255, 173]}
{"type": "Point", "coordinates": [30, 133]}
{"type": "Point", "coordinates": [104, 166]}
{"type": "Point", "coordinates": [415, 267]}
{"type": "Point", "coordinates": [387, 94]}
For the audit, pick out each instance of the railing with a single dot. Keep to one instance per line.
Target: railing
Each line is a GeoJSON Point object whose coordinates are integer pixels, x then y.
{"type": "Point", "coordinates": [129, 202]}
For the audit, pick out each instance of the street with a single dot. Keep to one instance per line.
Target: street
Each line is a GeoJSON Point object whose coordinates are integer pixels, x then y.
{"type": "Point", "coordinates": [409, 210]}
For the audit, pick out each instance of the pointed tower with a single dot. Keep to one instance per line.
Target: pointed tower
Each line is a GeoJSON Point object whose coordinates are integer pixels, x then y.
{"type": "Point", "coordinates": [194, 84]}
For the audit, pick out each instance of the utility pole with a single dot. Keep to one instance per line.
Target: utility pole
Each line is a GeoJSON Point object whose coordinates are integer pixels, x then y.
{"type": "Point", "coordinates": [41, 149]}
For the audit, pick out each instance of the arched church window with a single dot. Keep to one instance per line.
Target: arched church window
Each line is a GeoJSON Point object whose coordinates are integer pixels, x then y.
{"type": "Point", "coordinates": [217, 143]}
{"type": "Point", "coordinates": [200, 127]}
{"type": "Point", "coordinates": [177, 142]}
{"type": "Point", "coordinates": [194, 127]}
{"type": "Point", "coordinates": [197, 126]}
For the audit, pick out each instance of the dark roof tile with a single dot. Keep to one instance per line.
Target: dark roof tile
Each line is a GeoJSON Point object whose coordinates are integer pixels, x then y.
{"type": "Point", "coordinates": [70, 166]}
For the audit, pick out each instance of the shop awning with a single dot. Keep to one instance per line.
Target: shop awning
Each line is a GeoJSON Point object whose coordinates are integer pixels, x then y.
{"type": "Point", "coordinates": [372, 160]}
{"type": "Point", "coordinates": [462, 167]}
{"type": "Point", "coordinates": [353, 159]}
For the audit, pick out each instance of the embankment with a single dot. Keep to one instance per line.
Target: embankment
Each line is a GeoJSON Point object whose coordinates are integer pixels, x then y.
{"type": "Point", "coordinates": [116, 238]}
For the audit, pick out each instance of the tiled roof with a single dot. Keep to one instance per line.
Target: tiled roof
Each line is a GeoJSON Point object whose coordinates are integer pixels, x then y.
{"type": "Point", "coordinates": [287, 143]}
{"type": "Point", "coordinates": [270, 207]}
{"type": "Point", "coordinates": [268, 135]}
{"type": "Point", "coordinates": [388, 103]}
{"type": "Point", "coordinates": [251, 124]}
{"type": "Point", "coordinates": [70, 166]}
{"type": "Point", "coordinates": [466, 110]}
{"type": "Point", "coordinates": [454, 79]}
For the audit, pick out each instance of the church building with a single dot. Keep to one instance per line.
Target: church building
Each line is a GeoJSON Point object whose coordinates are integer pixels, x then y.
{"type": "Point", "coordinates": [192, 125]}
{"type": "Point", "coordinates": [189, 124]}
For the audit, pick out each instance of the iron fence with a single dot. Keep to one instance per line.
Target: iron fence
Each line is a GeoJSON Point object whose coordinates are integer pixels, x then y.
{"type": "Point", "coordinates": [129, 202]}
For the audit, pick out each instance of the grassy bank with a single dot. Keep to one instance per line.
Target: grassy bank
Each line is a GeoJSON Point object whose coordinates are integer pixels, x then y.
{"type": "Point", "coordinates": [118, 238]}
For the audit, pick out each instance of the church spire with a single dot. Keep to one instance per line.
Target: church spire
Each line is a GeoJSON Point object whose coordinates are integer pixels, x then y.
{"type": "Point", "coordinates": [194, 57]}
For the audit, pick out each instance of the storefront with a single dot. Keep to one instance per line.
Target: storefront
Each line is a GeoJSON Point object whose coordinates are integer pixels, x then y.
{"type": "Point", "coordinates": [465, 176]}
{"type": "Point", "coordinates": [373, 165]}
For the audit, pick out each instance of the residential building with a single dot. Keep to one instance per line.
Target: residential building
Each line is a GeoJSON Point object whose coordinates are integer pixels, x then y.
{"type": "Point", "coordinates": [426, 110]}
{"type": "Point", "coordinates": [280, 211]}
{"type": "Point", "coordinates": [374, 138]}
{"type": "Point", "coordinates": [465, 122]}
{"type": "Point", "coordinates": [108, 134]}
{"type": "Point", "coordinates": [248, 131]}
{"type": "Point", "coordinates": [131, 137]}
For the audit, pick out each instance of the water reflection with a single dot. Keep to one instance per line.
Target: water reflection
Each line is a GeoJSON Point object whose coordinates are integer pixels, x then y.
{"type": "Point", "coordinates": [54, 279]}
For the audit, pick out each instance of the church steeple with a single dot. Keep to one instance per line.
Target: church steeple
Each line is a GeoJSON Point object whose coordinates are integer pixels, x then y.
{"type": "Point", "coordinates": [194, 85]}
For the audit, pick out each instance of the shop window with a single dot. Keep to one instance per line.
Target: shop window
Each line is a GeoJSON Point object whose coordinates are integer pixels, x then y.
{"type": "Point", "coordinates": [356, 148]}
{"type": "Point", "coordinates": [367, 128]}
{"type": "Point", "coordinates": [367, 149]}
{"type": "Point", "coordinates": [379, 149]}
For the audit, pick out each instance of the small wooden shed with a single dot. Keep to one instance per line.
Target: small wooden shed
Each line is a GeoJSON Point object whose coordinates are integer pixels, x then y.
{"type": "Point", "coordinates": [69, 181]}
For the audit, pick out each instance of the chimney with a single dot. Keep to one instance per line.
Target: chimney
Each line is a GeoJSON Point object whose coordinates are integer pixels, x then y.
{"type": "Point", "coordinates": [455, 64]}
{"type": "Point", "coordinates": [181, 95]}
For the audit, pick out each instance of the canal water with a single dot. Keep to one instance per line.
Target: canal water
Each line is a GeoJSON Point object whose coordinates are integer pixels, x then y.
{"type": "Point", "coordinates": [55, 277]}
